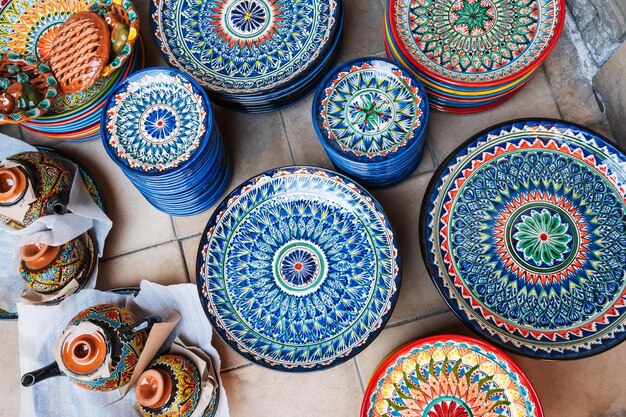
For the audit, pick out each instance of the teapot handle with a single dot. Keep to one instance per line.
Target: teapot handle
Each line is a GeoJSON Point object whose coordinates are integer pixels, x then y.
{"type": "Point", "coordinates": [31, 378]}
{"type": "Point", "coordinates": [128, 332]}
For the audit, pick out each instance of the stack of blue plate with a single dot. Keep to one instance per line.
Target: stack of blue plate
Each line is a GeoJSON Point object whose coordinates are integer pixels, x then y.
{"type": "Point", "coordinates": [371, 115]}
{"type": "Point", "coordinates": [250, 55]}
{"type": "Point", "coordinates": [158, 127]}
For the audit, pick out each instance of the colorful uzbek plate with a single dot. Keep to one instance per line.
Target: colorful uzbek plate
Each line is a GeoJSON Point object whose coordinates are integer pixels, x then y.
{"type": "Point", "coordinates": [523, 230]}
{"type": "Point", "coordinates": [371, 115]}
{"type": "Point", "coordinates": [298, 269]}
{"type": "Point", "coordinates": [241, 49]}
{"type": "Point", "coordinates": [449, 376]}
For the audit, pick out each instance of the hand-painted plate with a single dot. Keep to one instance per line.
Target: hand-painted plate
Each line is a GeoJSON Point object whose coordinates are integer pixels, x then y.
{"type": "Point", "coordinates": [449, 376]}
{"type": "Point", "coordinates": [155, 120]}
{"type": "Point", "coordinates": [298, 269]}
{"type": "Point", "coordinates": [479, 42]}
{"type": "Point", "coordinates": [243, 46]}
{"type": "Point", "coordinates": [29, 27]}
{"type": "Point", "coordinates": [524, 232]}
{"type": "Point", "coordinates": [370, 109]}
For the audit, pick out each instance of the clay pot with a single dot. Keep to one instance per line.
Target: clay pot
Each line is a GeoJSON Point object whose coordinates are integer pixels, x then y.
{"type": "Point", "coordinates": [170, 386]}
{"type": "Point", "coordinates": [13, 185]}
{"type": "Point", "coordinates": [111, 343]}
{"type": "Point", "coordinates": [48, 269]}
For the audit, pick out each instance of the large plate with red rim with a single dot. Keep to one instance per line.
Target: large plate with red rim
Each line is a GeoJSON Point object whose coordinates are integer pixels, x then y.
{"type": "Point", "coordinates": [449, 376]}
{"type": "Point", "coordinates": [523, 230]}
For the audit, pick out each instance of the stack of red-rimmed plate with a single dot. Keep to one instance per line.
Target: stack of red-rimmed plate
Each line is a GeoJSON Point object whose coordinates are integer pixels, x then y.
{"type": "Point", "coordinates": [472, 55]}
{"type": "Point", "coordinates": [71, 116]}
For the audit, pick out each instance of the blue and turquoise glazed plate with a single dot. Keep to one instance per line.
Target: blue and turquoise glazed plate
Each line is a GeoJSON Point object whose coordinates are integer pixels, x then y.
{"type": "Point", "coordinates": [524, 232]}
{"type": "Point", "coordinates": [298, 269]}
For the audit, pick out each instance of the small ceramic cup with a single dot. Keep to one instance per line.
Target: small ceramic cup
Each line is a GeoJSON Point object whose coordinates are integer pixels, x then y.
{"type": "Point", "coordinates": [98, 350]}
{"type": "Point", "coordinates": [13, 185]}
{"type": "Point", "coordinates": [48, 269]}
{"type": "Point", "coordinates": [169, 387]}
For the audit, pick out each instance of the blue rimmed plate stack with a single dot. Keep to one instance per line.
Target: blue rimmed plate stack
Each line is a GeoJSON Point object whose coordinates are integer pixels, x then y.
{"type": "Point", "coordinates": [250, 55]}
{"type": "Point", "coordinates": [159, 128]}
{"type": "Point", "coordinates": [371, 116]}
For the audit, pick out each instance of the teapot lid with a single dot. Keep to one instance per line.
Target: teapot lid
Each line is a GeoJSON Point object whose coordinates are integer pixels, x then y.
{"type": "Point", "coordinates": [154, 388]}
{"type": "Point", "coordinates": [12, 184]}
{"type": "Point", "coordinates": [38, 255]}
{"type": "Point", "coordinates": [83, 353]}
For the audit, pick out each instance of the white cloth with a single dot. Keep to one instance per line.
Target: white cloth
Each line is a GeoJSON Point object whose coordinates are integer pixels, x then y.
{"type": "Point", "coordinates": [40, 325]}
{"type": "Point", "coordinates": [56, 230]}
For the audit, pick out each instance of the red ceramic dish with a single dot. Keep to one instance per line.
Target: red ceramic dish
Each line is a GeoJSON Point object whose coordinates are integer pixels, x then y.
{"type": "Point", "coordinates": [454, 371]}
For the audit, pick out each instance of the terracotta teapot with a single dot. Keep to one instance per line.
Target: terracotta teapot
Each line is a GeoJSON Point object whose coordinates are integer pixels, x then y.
{"type": "Point", "coordinates": [48, 269]}
{"type": "Point", "coordinates": [98, 350]}
{"type": "Point", "coordinates": [51, 180]}
{"type": "Point", "coordinates": [170, 386]}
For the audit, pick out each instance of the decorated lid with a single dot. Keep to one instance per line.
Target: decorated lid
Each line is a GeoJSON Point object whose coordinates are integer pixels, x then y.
{"type": "Point", "coordinates": [243, 46]}
{"type": "Point", "coordinates": [449, 376]}
{"type": "Point", "coordinates": [155, 120]}
{"type": "Point", "coordinates": [298, 269]}
{"type": "Point", "coordinates": [524, 232]}
{"type": "Point", "coordinates": [370, 109]}
{"type": "Point", "coordinates": [479, 42]}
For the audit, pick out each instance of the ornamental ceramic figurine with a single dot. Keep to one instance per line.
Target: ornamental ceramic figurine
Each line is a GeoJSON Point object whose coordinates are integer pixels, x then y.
{"type": "Point", "coordinates": [98, 350]}
{"type": "Point", "coordinates": [44, 179]}
{"type": "Point", "coordinates": [170, 387]}
{"type": "Point", "coordinates": [48, 269]}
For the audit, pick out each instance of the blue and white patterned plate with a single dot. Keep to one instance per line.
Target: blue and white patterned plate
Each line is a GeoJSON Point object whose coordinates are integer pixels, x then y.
{"type": "Point", "coordinates": [244, 46]}
{"type": "Point", "coordinates": [156, 120]}
{"type": "Point", "coordinates": [298, 269]}
{"type": "Point", "coordinates": [524, 231]}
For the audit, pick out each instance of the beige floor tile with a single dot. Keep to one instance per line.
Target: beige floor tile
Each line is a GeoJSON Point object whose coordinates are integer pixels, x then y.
{"type": "Point", "coordinates": [161, 264]}
{"type": "Point", "coordinates": [592, 387]}
{"type": "Point", "coordinates": [190, 250]}
{"type": "Point", "coordinates": [10, 366]}
{"type": "Point", "coordinates": [394, 337]}
{"type": "Point", "coordinates": [136, 224]}
{"type": "Point", "coordinates": [418, 294]}
{"type": "Point", "coordinates": [306, 147]}
{"type": "Point", "coordinates": [363, 29]}
{"type": "Point", "coordinates": [255, 143]}
{"type": "Point", "coordinates": [258, 392]}
{"type": "Point", "coordinates": [448, 131]}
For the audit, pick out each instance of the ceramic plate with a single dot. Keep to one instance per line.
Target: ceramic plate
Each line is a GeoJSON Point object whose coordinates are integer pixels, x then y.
{"type": "Point", "coordinates": [370, 109]}
{"type": "Point", "coordinates": [30, 27]}
{"type": "Point", "coordinates": [476, 41]}
{"type": "Point", "coordinates": [449, 376]}
{"type": "Point", "coordinates": [524, 231]}
{"type": "Point", "coordinates": [298, 269]}
{"type": "Point", "coordinates": [155, 120]}
{"type": "Point", "coordinates": [243, 46]}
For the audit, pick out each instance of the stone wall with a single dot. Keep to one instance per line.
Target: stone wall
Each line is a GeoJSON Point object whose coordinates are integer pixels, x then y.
{"type": "Point", "coordinates": [602, 24]}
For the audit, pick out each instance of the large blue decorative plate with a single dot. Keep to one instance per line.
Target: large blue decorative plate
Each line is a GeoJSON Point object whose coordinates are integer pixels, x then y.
{"type": "Point", "coordinates": [244, 46]}
{"type": "Point", "coordinates": [155, 120]}
{"type": "Point", "coordinates": [524, 232]}
{"type": "Point", "coordinates": [298, 269]}
{"type": "Point", "coordinates": [370, 109]}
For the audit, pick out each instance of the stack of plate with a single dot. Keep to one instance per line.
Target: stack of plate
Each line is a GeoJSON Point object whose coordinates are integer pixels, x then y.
{"type": "Point", "coordinates": [251, 55]}
{"type": "Point", "coordinates": [371, 116]}
{"type": "Point", "coordinates": [472, 55]}
{"type": "Point", "coordinates": [158, 126]}
{"type": "Point", "coordinates": [73, 116]}
{"type": "Point", "coordinates": [524, 231]}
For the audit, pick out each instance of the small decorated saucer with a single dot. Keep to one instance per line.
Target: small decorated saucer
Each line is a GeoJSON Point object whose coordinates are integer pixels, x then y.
{"type": "Point", "coordinates": [298, 269]}
{"type": "Point", "coordinates": [523, 229]}
{"type": "Point", "coordinates": [449, 376]}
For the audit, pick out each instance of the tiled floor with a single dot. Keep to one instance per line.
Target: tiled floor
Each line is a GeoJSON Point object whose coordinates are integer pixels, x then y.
{"type": "Point", "coordinates": [146, 244]}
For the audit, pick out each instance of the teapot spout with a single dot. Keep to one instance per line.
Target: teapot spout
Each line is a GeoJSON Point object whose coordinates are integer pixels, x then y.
{"type": "Point", "coordinates": [31, 378]}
